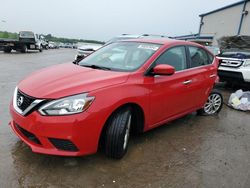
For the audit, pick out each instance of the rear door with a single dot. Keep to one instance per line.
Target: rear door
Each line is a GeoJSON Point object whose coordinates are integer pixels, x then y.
{"type": "Point", "coordinates": [202, 74]}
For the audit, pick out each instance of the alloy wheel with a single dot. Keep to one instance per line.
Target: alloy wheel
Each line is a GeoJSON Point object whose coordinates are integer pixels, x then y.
{"type": "Point", "coordinates": [213, 104]}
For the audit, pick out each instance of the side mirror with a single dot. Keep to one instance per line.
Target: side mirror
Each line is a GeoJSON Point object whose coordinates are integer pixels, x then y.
{"type": "Point", "coordinates": [163, 69]}
{"type": "Point", "coordinates": [78, 58]}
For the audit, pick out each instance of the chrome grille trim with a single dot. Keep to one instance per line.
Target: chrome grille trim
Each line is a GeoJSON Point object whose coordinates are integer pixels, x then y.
{"type": "Point", "coordinates": [32, 105]}
{"type": "Point", "coordinates": [230, 62]}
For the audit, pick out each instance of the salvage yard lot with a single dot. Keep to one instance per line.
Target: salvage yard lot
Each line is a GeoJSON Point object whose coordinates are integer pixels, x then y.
{"type": "Point", "coordinates": [194, 151]}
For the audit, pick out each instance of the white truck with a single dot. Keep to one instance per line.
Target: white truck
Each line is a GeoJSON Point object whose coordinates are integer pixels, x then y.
{"type": "Point", "coordinates": [234, 59]}
{"type": "Point", "coordinates": [234, 66]}
{"type": "Point", "coordinates": [27, 40]}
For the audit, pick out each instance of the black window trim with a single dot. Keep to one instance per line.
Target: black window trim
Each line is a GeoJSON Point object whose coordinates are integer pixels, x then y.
{"type": "Point", "coordinates": [188, 57]}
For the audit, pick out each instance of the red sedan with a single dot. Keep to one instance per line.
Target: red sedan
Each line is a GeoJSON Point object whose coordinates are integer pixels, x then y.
{"type": "Point", "coordinates": [128, 86]}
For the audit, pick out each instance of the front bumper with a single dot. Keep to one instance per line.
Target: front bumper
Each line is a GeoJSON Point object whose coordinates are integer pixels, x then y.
{"type": "Point", "coordinates": [234, 74]}
{"type": "Point", "coordinates": [72, 135]}
{"type": "Point", "coordinates": [230, 76]}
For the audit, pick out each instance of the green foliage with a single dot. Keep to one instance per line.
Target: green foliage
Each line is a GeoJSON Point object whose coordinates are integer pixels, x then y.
{"type": "Point", "coordinates": [49, 37]}
{"type": "Point", "coordinates": [8, 35]}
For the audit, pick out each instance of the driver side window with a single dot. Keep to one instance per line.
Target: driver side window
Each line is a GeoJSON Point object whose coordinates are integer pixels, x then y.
{"type": "Point", "coordinates": [175, 57]}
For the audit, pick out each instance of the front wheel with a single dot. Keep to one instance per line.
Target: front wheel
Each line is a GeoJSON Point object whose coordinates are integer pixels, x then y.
{"type": "Point", "coordinates": [24, 49]}
{"type": "Point", "coordinates": [213, 105]}
{"type": "Point", "coordinates": [117, 133]}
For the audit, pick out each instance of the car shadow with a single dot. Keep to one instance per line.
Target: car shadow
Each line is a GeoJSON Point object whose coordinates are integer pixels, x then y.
{"type": "Point", "coordinates": [177, 144]}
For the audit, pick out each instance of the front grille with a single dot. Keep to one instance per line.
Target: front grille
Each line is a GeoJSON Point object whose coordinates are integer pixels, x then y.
{"type": "Point", "coordinates": [23, 101]}
{"type": "Point", "coordinates": [27, 40]}
{"type": "Point", "coordinates": [234, 63]}
{"type": "Point", "coordinates": [28, 135]}
{"type": "Point", "coordinates": [63, 144]}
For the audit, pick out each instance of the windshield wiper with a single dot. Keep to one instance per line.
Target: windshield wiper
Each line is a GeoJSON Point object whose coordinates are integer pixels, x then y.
{"type": "Point", "coordinates": [97, 67]}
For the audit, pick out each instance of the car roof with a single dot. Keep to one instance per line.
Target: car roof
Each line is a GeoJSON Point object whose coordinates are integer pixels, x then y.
{"type": "Point", "coordinates": [128, 35]}
{"type": "Point", "coordinates": [162, 41]}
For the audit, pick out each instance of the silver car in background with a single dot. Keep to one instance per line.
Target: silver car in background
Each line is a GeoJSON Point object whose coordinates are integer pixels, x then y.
{"type": "Point", "coordinates": [87, 49]}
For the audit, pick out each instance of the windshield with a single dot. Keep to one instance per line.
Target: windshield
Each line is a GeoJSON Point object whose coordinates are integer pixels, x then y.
{"type": "Point", "coordinates": [26, 34]}
{"type": "Point", "coordinates": [121, 56]}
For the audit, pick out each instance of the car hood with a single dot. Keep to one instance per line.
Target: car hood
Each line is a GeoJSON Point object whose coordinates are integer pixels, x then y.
{"type": "Point", "coordinates": [68, 79]}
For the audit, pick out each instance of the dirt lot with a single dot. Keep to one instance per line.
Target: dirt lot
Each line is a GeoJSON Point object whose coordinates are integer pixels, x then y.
{"type": "Point", "coordinates": [192, 152]}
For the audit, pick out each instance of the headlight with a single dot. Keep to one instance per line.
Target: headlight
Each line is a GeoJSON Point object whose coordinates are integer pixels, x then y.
{"type": "Point", "coordinates": [247, 63]}
{"type": "Point", "coordinates": [66, 106]}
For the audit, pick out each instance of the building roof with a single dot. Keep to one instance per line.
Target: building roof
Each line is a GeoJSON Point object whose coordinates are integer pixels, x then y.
{"type": "Point", "coordinates": [193, 36]}
{"type": "Point", "coordinates": [223, 8]}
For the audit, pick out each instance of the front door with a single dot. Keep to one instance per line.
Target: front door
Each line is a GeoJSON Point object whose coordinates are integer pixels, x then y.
{"type": "Point", "coordinates": [170, 95]}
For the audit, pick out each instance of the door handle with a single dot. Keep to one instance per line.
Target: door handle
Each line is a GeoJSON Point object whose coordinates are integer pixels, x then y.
{"type": "Point", "coordinates": [187, 82]}
{"type": "Point", "coordinates": [212, 75]}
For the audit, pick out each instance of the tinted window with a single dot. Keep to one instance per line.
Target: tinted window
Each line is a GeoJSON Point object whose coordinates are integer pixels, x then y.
{"type": "Point", "coordinates": [175, 57]}
{"type": "Point", "coordinates": [199, 57]}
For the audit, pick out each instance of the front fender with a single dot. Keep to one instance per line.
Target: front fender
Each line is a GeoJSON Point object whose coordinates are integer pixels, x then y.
{"type": "Point", "coordinates": [107, 100]}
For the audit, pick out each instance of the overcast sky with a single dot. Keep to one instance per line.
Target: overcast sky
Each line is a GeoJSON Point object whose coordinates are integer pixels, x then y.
{"type": "Point", "coordinates": [103, 19]}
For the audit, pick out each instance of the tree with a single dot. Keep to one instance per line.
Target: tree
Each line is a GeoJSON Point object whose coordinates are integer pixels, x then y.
{"type": "Point", "coordinates": [5, 34]}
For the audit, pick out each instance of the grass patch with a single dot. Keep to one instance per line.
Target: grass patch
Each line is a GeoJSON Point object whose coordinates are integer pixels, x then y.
{"type": "Point", "coordinates": [8, 35]}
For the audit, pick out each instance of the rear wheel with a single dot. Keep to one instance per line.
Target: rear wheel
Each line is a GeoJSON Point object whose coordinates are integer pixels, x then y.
{"type": "Point", "coordinates": [213, 105]}
{"type": "Point", "coordinates": [118, 133]}
{"type": "Point", "coordinates": [7, 49]}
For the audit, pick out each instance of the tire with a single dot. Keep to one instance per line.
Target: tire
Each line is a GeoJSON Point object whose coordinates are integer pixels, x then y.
{"type": "Point", "coordinates": [7, 49]}
{"type": "Point", "coordinates": [24, 49]}
{"type": "Point", "coordinates": [213, 105]}
{"type": "Point", "coordinates": [40, 48]}
{"type": "Point", "coordinates": [117, 133]}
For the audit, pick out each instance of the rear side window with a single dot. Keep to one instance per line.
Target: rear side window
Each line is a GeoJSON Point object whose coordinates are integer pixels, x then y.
{"type": "Point", "coordinates": [199, 57]}
{"type": "Point", "coordinates": [175, 57]}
